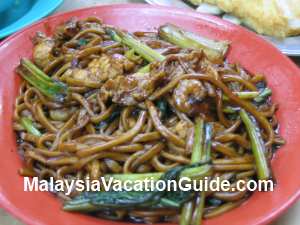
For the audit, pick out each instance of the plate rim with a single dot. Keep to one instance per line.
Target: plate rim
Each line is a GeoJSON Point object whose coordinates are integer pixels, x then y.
{"type": "Point", "coordinates": [19, 214]}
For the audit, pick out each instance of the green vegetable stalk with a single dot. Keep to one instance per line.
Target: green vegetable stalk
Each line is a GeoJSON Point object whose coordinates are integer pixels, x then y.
{"type": "Point", "coordinates": [244, 95]}
{"type": "Point", "coordinates": [184, 39]}
{"type": "Point", "coordinates": [37, 78]}
{"type": "Point", "coordinates": [28, 125]}
{"type": "Point", "coordinates": [230, 110]}
{"type": "Point", "coordinates": [201, 152]}
{"type": "Point", "coordinates": [257, 146]}
{"type": "Point", "coordinates": [257, 96]}
{"type": "Point", "coordinates": [263, 95]}
{"type": "Point", "coordinates": [140, 48]}
{"type": "Point", "coordinates": [198, 149]}
{"type": "Point", "coordinates": [136, 46]}
{"type": "Point", "coordinates": [186, 213]}
{"type": "Point", "coordinates": [197, 216]}
{"type": "Point", "coordinates": [207, 142]}
{"type": "Point", "coordinates": [200, 200]}
{"type": "Point", "coordinates": [187, 209]}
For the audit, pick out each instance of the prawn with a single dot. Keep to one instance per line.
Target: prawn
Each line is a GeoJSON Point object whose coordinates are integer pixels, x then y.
{"type": "Point", "coordinates": [188, 94]}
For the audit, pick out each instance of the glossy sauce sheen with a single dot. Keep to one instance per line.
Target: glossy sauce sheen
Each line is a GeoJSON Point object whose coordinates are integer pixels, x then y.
{"type": "Point", "coordinates": [251, 52]}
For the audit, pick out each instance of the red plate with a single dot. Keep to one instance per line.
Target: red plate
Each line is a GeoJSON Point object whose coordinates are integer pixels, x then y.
{"type": "Point", "coordinates": [247, 49]}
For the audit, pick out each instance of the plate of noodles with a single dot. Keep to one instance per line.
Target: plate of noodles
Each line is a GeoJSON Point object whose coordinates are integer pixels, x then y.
{"type": "Point", "coordinates": [135, 91]}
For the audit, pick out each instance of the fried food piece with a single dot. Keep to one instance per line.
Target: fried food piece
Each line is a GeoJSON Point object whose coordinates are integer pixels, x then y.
{"type": "Point", "coordinates": [280, 18]}
{"type": "Point", "coordinates": [98, 70]}
{"type": "Point", "coordinates": [42, 51]}
{"type": "Point", "coordinates": [132, 89]}
{"type": "Point", "coordinates": [105, 67]}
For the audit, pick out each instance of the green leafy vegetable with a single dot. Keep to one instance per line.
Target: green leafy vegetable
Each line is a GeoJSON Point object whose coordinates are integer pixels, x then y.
{"type": "Point", "coordinates": [163, 107]}
{"type": "Point", "coordinates": [95, 201]}
{"type": "Point", "coordinates": [82, 42]}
